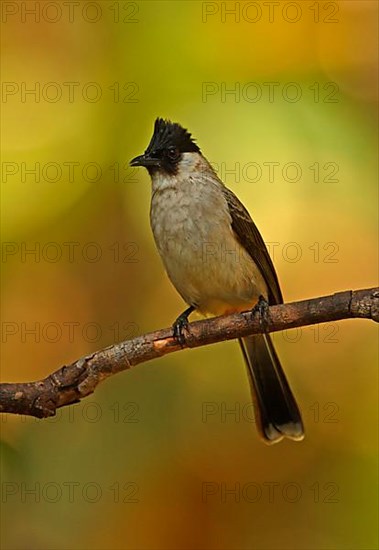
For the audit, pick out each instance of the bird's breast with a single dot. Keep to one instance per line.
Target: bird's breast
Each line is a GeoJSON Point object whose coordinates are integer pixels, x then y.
{"type": "Point", "coordinates": [205, 262]}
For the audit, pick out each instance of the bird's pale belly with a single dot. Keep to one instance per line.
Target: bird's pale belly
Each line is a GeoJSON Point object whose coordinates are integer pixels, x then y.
{"type": "Point", "coordinates": [208, 266]}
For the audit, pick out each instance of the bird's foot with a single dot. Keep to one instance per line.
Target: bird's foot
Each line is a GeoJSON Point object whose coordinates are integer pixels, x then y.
{"type": "Point", "coordinates": [181, 324]}
{"type": "Point", "coordinates": [261, 309]}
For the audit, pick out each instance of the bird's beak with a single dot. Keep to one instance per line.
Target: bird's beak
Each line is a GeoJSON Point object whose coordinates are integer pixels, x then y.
{"type": "Point", "coordinates": [144, 160]}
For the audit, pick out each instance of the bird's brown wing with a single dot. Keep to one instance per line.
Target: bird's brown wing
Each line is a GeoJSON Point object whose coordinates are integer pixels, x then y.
{"type": "Point", "coordinates": [250, 238]}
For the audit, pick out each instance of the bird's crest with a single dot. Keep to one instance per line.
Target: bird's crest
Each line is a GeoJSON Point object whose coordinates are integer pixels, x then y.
{"type": "Point", "coordinates": [167, 134]}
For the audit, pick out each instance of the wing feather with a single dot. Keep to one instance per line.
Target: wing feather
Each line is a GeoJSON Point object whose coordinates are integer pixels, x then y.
{"type": "Point", "coordinates": [248, 235]}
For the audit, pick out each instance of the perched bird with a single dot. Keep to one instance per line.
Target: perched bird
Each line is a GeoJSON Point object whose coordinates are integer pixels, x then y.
{"type": "Point", "coordinates": [217, 260]}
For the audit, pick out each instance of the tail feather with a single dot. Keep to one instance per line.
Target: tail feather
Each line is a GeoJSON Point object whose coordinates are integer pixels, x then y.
{"type": "Point", "coordinates": [277, 414]}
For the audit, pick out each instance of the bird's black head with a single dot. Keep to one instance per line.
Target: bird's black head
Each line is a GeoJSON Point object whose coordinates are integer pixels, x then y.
{"type": "Point", "coordinates": [169, 142]}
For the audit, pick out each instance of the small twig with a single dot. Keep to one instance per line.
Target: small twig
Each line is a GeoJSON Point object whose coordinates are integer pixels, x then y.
{"type": "Point", "coordinates": [71, 383]}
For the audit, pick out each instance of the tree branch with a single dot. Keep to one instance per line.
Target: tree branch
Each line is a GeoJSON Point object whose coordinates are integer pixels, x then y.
{"type": "Point", "coordinates": [71, 383]}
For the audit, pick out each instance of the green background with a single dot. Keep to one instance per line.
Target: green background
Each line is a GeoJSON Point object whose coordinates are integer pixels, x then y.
{"type": "Point", "coordinates": [153, 460]}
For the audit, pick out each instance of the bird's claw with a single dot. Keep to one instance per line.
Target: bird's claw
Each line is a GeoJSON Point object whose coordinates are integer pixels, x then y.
{"type": "Point", "coordinates": [177, 328]}
{"type": "Point", "coordinates": [261, 309]}
{"type": "Point", "coordinates": [181, 324]}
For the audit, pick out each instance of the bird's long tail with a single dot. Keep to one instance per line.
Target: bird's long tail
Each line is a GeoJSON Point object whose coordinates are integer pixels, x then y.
{"type": "Point", "coordinates": [277, 414]}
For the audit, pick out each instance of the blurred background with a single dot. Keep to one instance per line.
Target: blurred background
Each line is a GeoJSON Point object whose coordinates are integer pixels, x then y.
{"type": "Point", "coordinates": [281, 97]}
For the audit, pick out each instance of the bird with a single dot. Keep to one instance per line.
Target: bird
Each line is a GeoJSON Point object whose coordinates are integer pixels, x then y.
{"type": "Point", "coordinates": [217, 260]}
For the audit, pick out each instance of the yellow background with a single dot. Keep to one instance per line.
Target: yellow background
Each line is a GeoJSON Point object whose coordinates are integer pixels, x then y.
{"type": "Point", "coordinates": [145, 436]}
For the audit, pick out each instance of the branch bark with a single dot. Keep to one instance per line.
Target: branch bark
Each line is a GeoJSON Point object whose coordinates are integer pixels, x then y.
{"type": "Point", "coordinates": [71, 383]}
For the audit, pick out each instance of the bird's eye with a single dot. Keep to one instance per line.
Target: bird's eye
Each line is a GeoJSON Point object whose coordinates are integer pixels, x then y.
{"type": "Point", "coordinates": [172, 153]}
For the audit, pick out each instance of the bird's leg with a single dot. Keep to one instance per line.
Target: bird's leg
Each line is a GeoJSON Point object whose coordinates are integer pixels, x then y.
{"type": "Point", "coordinates": [261, 309]}
{"type": "Point", "coordinates": [181, 323]}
